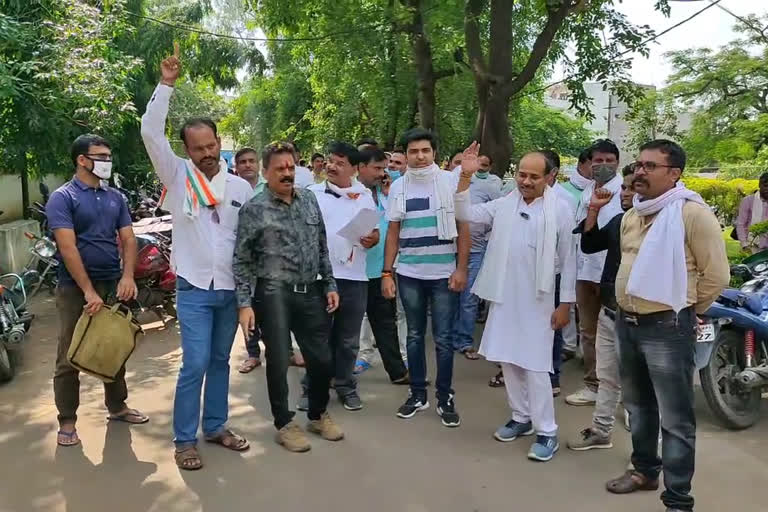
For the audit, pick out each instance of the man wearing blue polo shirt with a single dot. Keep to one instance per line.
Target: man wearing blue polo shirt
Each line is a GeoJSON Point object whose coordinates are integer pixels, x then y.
{"type": "Point", "coordinates": [87, 217]}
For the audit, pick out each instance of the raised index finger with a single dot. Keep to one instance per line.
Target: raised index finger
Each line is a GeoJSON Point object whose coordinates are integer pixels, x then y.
{"type": "Point", "coordinates": [176, 49]}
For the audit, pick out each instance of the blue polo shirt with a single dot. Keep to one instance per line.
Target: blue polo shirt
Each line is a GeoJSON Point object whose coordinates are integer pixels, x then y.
{"type": "Point", "coordinates": [95, 214]}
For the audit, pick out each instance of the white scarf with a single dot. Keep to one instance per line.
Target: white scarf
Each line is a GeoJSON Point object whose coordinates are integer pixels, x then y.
{"type": "Point", "coordinates": [341, 250]}
{"type": "Point", "coordinates": [757, 209]}
{"type": "Point", "coordinates": [659, 273]}
{"type": "Point", "coordinates": [608, 211]}
{"type": "Point", "coordinates": [491, 280]}
{"type": "Point", "coordinates": [579, 181]}
{"type": "Point", "coordinates": [444, 190]}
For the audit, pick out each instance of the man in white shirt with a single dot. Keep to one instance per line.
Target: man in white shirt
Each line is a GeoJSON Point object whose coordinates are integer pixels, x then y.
{"type": "Point", "coordinates": [340, 198]}
{"type": "Point", "coordinates": [205, 203]}
{"type": "Point", "coordinates": [605, 163]}
{"type": "Point", "coordinates": [530, 242]}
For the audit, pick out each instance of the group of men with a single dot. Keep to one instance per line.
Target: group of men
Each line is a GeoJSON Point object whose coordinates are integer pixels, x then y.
{"type": "Point", "coordinates": [639, 254]}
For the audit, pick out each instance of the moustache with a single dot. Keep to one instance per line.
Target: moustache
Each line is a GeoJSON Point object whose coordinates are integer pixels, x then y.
{"type": "Point", "coordinates": [287, 179]}
{"type": "Point", "coordinates": [639, 180]}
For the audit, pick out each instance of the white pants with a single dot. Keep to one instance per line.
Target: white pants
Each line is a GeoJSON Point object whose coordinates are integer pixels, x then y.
{"type": "Point", "coordinates": [570, 333]}
{"type": "Point", "coordinates": [530, 398]}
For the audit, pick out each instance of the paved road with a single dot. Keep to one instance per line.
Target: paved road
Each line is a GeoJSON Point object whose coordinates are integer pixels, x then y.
{"type": "Point", "coordinates": [385, 464]}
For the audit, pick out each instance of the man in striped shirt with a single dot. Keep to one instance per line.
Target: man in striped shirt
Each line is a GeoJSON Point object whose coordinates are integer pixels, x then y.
{"type": "Point", "coordinates": [430, 271]}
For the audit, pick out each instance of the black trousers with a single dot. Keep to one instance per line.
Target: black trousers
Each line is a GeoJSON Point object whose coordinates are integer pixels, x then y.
{"type": "Point", "coordinates": [382, 315]}
{"type": "Point", "coordinates": [285, 310]}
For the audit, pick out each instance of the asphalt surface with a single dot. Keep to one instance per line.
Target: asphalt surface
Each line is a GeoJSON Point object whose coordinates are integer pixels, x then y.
{"type": "Point", "coordinates": [384, 464]}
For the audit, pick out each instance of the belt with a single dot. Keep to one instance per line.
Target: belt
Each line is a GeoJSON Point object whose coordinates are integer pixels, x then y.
{"type": "Point", "coordinates": [294, 287]}
{"type": "Point", "coordinates": [650, 318]}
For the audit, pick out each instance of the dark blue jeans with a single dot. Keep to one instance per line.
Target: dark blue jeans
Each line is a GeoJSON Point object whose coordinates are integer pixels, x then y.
{"type": "Point", "coordinates": [416, 294]}
{"type": "Point", "coordinates": [656, 363]}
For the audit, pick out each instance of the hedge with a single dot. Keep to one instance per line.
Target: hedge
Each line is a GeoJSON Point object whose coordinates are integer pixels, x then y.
{"type": "Point", "coordinates": [725, 196]}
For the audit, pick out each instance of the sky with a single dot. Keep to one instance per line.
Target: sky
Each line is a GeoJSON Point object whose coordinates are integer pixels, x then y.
{"type": "Point", "coordinates": [713, 28]}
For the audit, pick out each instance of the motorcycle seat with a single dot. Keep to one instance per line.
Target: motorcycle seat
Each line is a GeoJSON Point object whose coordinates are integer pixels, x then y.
{"type": "Point", "coordinates": [752, 302]}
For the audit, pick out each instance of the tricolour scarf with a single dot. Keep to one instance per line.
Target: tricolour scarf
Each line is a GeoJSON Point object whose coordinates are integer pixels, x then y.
{"type": "Point", "coordinates": [200, 191]}
{"type": "Point", "coordinates": [659, 273]}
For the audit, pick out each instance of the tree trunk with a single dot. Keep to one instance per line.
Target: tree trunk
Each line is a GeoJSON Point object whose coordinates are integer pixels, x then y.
{"type": "Point", "coordinates": [495, 138]}
{"type": "Point", "coordinates": [422, 54]}
{"type": "Point", "coordinates": [394, 117]}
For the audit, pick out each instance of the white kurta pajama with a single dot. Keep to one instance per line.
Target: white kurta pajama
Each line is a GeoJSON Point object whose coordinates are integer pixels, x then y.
{"type": "Point", "coordinates": [518, 333]}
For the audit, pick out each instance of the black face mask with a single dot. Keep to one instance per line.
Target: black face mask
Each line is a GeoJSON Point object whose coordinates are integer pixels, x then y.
{"type": "Point", "coordinates": [603, 173]}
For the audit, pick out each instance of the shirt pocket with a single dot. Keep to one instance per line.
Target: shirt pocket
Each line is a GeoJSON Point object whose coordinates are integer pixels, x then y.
{"type": "Point", "coordinates": [228, 217]}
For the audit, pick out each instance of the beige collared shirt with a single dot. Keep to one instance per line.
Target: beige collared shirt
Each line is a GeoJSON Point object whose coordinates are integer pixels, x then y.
{"type": "Point", "coordinates": [705, 258]}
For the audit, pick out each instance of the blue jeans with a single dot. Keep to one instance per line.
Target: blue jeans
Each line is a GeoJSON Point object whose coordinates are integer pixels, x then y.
{"type": "Point", "coordinates": [466, 312]}
{"type": "Point", "coordinates": [656, 365]}
{"type": "Point", "coordinates": [208, 321]}
{"type": "Point", "coordinates": [416, 294]}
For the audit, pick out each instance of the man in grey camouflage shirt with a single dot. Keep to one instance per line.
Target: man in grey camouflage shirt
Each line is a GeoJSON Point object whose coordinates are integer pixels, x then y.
{"type": "Point", "coordinates": [280, 251]}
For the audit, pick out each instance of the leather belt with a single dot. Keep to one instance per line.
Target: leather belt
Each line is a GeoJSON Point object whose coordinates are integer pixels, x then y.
{"type": "Point", "coordinates": [651, 318]}
{"type": "Point", "coordinates": [294, 287]}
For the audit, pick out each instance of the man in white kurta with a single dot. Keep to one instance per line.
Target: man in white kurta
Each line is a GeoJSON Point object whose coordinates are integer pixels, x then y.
{"type": "Point", "coordinates": [530, 230]}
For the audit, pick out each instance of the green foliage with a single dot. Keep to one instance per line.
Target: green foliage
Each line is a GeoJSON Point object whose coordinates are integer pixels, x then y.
{"type": "Point", "coordinates": [537, 126]}
{"type": "Point", "coordinates": [724, 195]}
{"type": "Point", "coordinates": [652, 116]}
{"type": "Point", "coordinates": [729, 86]}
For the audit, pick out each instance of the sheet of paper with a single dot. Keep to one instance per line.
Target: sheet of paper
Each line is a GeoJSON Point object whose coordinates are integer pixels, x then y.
{"type": "Point", "coordinates": [360, 225]}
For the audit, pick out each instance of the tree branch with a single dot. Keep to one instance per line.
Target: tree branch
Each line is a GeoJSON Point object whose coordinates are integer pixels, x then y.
{"type": "Point", "coordinates": [555, 19]}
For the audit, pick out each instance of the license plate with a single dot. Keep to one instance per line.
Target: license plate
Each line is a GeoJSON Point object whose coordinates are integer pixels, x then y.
{"type": "Point", "coordinates": [706, 333]}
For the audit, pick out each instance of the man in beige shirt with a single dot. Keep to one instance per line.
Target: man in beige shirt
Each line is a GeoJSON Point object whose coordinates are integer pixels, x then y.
{"type": "Point", "coordinates": [673, 266]}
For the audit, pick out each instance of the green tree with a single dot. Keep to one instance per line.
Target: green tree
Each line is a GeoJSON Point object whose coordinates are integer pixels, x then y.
{"type": "Point", "coordinates": [652, 116]}
{"type": "Point", "coordinates": [59, 76]}
{"type": "Point", "coordinates": [538, 126]}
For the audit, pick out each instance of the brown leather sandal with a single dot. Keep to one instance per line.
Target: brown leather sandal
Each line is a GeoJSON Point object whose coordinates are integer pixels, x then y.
{"type": "Point", "coordinates": [188, 458]}
{"type": "Point", "coordinates": [229, 439]}
{"type": "Point", "coordinates": [631, 481]}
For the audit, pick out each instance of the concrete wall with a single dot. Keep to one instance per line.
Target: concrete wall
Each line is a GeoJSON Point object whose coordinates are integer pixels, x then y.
{"type": "Point", "coordinates": [10, 194]}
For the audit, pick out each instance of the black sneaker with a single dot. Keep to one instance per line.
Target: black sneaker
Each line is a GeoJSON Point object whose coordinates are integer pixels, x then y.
{"type": "Point", "coordinates": [351, 402]}
{"type": "Point", "coordinates": [411, 406]}
{"type": "Point", "coordinates": [446, 409]}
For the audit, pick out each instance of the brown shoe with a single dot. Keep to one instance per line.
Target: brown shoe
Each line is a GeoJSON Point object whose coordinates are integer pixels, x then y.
{"type": "Point", "coordinates": [631, 481]}
{"type": "Point", "coordinates": [292, 438]}
{"type": "Point", "coordinates": [326, 428]}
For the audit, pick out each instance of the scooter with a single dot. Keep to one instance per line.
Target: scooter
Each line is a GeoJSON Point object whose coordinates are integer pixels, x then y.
{"type": "Point", "coordinates": [732, 355]}
{"type": "Point", "coordinates": [15, 321]}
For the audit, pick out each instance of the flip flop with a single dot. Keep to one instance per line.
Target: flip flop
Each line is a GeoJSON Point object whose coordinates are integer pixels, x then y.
{"type": "Point", "coordinates": [124, 417]}
{"type": "Point", "coordinates": [74, 440]}
{"type": "Point", "coordinates": [497, 381]}
{"type": "Point", "coordinates": [188, 459]}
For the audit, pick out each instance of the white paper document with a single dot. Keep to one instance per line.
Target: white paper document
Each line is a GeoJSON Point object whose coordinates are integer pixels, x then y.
{"type": "Point", "coordinates": [361, 225]}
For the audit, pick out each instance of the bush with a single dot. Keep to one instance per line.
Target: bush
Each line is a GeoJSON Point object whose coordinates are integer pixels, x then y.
{"type": "Point", "coordinates": [724, 196]}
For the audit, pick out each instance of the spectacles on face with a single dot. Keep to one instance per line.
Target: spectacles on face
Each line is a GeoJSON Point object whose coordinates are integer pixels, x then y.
{"type": "Point", "coordinates": [648, 165]}
{"type": "Point", "coordinates": [99, 158]}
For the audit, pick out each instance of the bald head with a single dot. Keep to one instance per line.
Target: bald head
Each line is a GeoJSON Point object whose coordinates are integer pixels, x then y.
{"type": "Point", "coordinates": [531, 176]}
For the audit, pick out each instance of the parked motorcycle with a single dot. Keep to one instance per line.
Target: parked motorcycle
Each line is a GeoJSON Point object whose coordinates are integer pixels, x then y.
{"type": "Point", "coordinates": [154, 277]}
{"type": "Point", "coordinates": [42, 267]}
{"type": "Point", "coordinates": [15, 321]}
{"type": "Point", "coordinates": [732, 355]}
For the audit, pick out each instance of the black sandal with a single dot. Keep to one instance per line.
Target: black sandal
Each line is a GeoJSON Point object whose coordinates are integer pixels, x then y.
{"type": "Point", "coordinates": [497, 381]}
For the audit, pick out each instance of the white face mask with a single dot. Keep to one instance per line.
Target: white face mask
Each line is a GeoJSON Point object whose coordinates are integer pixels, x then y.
{"type": "Point", "coordinates": [102, 170]}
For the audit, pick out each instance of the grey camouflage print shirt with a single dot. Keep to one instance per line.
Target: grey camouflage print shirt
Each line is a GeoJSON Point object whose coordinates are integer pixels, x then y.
{"type": "Point", "coordinates": [280, 241]}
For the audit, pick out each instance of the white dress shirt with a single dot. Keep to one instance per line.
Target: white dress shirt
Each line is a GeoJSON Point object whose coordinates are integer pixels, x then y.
{"type": "Point", "coordinates": [303, 178]}
{"type": "Point", "coordinates": [202, 248]}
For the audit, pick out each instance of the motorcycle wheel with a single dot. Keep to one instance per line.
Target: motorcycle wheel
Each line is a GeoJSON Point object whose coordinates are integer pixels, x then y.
{"type": "Point", "coordinates": [6, 365]}
{"type": "Point", "coordinates": [170, 308]}
{"type": "Point", "coordinates": [734, 406]}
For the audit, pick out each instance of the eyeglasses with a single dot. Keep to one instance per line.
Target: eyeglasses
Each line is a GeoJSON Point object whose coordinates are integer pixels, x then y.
{"type": "Point", "coordinates": [648, 165]}
{"type": "Point", "coordinates": [99, 158]}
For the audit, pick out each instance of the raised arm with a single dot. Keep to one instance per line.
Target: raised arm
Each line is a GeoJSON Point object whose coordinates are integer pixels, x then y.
{"type": "Point", "coordinates": [164, 160]}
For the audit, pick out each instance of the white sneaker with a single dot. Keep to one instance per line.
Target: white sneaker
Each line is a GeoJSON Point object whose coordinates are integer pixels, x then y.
{"type": "Point", "coordinates": [582, 397]}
